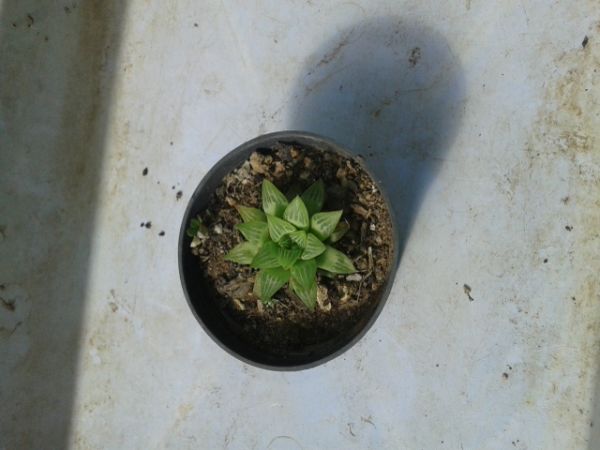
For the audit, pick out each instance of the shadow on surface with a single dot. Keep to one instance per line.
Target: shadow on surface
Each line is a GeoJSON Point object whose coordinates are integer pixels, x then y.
{"type": "Point", "coordinates": [56, 69]}
{"type": "Point", "coordinates": [391, 91]}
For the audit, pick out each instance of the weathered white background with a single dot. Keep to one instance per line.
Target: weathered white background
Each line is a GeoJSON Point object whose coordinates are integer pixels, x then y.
{"type": "Point", "coordinates": [489, 144]}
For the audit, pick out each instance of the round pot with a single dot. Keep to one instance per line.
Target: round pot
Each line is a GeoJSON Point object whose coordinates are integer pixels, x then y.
{"type": "Point", "coordinates": [205, 309]}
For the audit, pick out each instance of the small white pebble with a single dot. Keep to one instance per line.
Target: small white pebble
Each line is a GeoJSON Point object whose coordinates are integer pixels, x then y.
{"type": "Point", "coordinates": [346, 295]}
{"type": "Point", "coordinates": [238, 304]}
{"type": "Point", "coordinates": [322, 298]}
{"type": "Point", "coordinates": [372, 227]}
{"type": "Point", "coordinates": [354, 277]}
{"type": "Point", "coordinates": [218, 229]}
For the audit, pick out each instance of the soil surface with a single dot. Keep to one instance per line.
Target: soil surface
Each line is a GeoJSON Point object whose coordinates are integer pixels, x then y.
{"type": "Point", "coordinates": [288, 326]}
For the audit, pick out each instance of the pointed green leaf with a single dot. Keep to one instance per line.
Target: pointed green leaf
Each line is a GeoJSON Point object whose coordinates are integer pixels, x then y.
{"type": "Point", "coordinates": [273, 201]}
{"type": "Point", "coordinates": [269, 281]}
{"type": "Point", "coordinates": [334, 261]}
{"type": "Point", "coordinates": [279, 227]}
{"type": "Point", "coordinates": [242, 253]}
{"type": "Point", "coordinates": [314, 247]}
{"type": "Point", "coordinates": [304, 272]}
{"type": "Point", "coordinates": [322, 224]}
{"type": "Point", "coordinates": [339, 232]}
{"type": "Point", "coordinates": [267, 256]}
{"type": "Point", "coordinates": [285, 241]}
{"type": "Point", "coordinates": [314, 197]}
{"type": "Point", "coordinates": [298, 238]}
{"type": "Point", "coordinates": [297, 214]}
{"type": "Point", "coordinates": [191, 231]}
{"type": "Point", "coordinates": [254, 231]}
{"type": "Point", "coordinates": [288, 256]}
{"type": "Point", "coordinates": [251, 214]}
{"type": "Point", "coordinates": [327, 274]}
{"type": "Point", "coordinates": [196, 226]}
{"type": "Point", "coordinates": [308, 294]}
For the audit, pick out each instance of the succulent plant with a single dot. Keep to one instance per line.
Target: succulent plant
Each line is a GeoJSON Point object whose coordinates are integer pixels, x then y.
{"type": "Point", "coordinates": [288, 241]}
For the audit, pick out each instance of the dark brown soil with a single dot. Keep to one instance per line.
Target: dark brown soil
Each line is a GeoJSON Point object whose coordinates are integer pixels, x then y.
{"type": "Point", "coordinates": [288, 326]}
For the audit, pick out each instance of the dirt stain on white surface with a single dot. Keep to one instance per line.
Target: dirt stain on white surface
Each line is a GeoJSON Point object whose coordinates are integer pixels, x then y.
{"type": "Point", "coordinates": [565, 141]}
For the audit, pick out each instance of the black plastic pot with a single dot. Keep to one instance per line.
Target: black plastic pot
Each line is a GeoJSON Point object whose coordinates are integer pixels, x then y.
{"type": "Point", "coordinates": [210, 317]}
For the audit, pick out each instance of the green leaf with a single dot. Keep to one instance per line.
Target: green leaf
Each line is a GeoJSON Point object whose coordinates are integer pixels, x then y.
{"type": "Point", "coordinates": [314, 247]}
{"type": "Point", "coordinates": [298, 238]}
{"type": "Point", "coordinates": [288, 256]}
{"type": "Point", "coordinates": [304, 273]}
{"type": "Point", "coordinates": [308, 294]}
{"type": "Point", "coordinates": [327, 274]}
{"type": "Point", "coordinates": [251, 214]}
{"type": "Point", "coordinates": [269, 281]}
{"type": "Point", "coordinates": [254, 231]}
{"type": "Point", "coordinates": [279, 227]}
{"type": "Point", "coordinates": [322, 224]}
{"type": "Point", "coordinates": [273, 201]}
{"type": "Point", "coordinates": [297, 214]}
{"type": "Point", "coordinates": [339, 232]}
{"type": "Point", "coordinates": [196, 225]}
{"type": "Point", "coordinates": [242, 253]}
{"type": "Point", "coordinates": [314, 197]}
{"type": "Point", "coordinates": [267, 256]}
{"type": "Point", "coordinates": [334, 261]}
{"type": "Point", "coordinates": [285, 241]}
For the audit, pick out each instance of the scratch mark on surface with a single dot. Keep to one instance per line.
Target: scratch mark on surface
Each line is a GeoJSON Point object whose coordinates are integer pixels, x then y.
{"type": "Point", "coordinates": [314, 86]}
{"type": "Point", "coordinates": [524, 12]}
{"type": "Point", "coordinates": [369, 420]}
{"type": "Point", "coordinates": [285, 437]}
{"type": "Point", "coordinates": [233, 33]}
{"type": "Point", "coordinates": [467, 290]}
{"type": "Point", "coordinates": [350, 429]}
{"type": "Point", "coordinates": [8, 304]}
{"type": "Point", "coordinates": [327, 58]}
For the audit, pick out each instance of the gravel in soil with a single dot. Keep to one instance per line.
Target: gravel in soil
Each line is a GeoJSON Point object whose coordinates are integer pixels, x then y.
{"type": "Point", "coordinates": [343, 301]}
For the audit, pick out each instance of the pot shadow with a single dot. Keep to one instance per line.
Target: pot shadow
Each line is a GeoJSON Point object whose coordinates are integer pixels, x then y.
{"type": "Point", "coordinates": [393, 92]}
{"type": "Point", "coordinates": [57, 65]}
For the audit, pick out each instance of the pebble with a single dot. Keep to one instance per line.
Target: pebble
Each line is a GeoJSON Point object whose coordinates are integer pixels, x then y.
{"type": "Point", "coordinates": [354, 277]}
{"type": "Point", "coordinates": [279, 169]}
{"type": "Point", "coordinates": [358, 209]}
{"type": "Point", "coordinates": [218, 229]}
{"type": "Point", "coordinates": [257, 164]}
{"type": "Point", "coordinates": [322, 298]}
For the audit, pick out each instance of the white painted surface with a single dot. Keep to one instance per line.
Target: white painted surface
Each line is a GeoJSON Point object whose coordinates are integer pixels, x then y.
{"type": "Point", "coordinates": [489, 146]}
